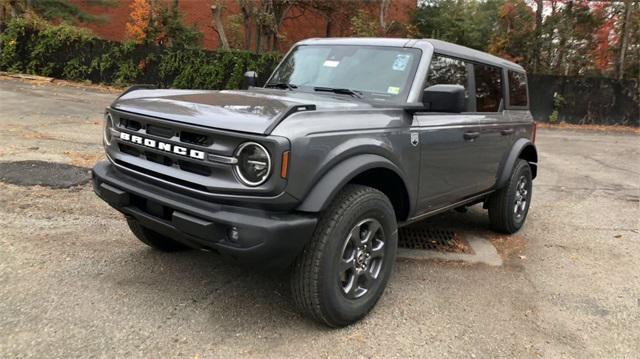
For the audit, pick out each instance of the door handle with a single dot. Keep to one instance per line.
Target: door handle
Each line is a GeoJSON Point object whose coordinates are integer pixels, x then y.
{"type": "Point", "coordinates": [471, 135]}
{"type": "Point", "coordinates": [507, 132]}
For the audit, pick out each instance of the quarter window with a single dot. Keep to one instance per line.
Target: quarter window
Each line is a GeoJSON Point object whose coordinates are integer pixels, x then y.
{"type": "Point", "coordinates": [488, 88]}
{"type": "Point", "coordinates": [517, 89]}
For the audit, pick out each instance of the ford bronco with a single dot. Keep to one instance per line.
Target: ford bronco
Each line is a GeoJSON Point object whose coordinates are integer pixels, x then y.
{"type": "Point", "coordinates": [348, 140]}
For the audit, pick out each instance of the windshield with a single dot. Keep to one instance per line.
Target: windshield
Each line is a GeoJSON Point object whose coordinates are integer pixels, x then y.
{"type": "Point", "coordinates": [374, 72]}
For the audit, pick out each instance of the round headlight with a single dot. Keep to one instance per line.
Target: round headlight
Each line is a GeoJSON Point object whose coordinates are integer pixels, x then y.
{"type": "Point", "coordinates": [254, 164]}
{"type": "Point", "coordinates": [108, 125]}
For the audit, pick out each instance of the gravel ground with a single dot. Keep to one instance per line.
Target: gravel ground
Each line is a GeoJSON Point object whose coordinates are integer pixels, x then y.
{"type": "Point", "coordinates": [74, 282]}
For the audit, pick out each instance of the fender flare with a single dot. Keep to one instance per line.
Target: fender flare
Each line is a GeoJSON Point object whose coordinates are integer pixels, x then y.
{"type": "Point", "coordinates": [324, 190]}
{"type": "Point", "coordinates": [516, 150]}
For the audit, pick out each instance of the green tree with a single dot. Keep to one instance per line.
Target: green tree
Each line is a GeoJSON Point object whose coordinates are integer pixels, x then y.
{"type": "Point", "coordinates": [465, 22]}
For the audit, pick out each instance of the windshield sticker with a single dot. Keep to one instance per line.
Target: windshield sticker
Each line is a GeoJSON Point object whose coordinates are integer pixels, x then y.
{"type": "Point", "coordinates": [331, 63]}
{"type": "Point", "coordinates": [393, 90]}
{"type": "Point", "coordinates": [401, 62]}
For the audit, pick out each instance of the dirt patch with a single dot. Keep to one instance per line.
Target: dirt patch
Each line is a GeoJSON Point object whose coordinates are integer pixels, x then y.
{"type": "Point", "coordinates": [84, 159]}
{"type": "Point", "coordinates": [508, 247]}
{"type": "Point", "coordinates": [41, 173]}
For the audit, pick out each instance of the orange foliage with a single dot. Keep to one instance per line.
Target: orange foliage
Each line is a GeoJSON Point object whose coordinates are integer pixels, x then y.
{"type": "Point", "coordinates": [139, 20]}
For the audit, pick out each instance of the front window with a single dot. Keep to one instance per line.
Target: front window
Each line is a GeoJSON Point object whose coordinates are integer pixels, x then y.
{"type": "Point", "coordinates": [373, 72]}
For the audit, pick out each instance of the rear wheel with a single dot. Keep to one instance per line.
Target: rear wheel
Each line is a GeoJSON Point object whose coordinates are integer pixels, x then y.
{"type": "Point", "coordinates": [508, 207]}
{"type": "Point", "coordinates": [154, 239]}
{"type": "Point", "coordinates": [344, 269]}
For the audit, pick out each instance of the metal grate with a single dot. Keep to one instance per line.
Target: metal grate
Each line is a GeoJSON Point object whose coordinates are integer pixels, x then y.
{"type": "Point", "coordinates": [432, 239]}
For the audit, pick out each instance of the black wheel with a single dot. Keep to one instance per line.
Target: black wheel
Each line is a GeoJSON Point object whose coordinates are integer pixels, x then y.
{"type": "Point", "coordinates": [509, 206]}
{"type": "Point", "coordinates": [154, 239]}
{"type": "Point", "coordinates": [345, 267]}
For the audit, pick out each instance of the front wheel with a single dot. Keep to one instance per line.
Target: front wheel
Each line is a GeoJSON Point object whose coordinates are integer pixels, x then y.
{"type": "Point", "coordinates": [344, 269]}
{"type": "Point", "coordinates": [509, 206]}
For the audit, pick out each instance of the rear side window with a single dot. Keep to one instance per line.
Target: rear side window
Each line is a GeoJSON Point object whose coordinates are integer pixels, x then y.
{"type": "Point", "coordinates": [488, 88]}
{"type": "Point", "coordinates": [517, 89]}
{"type": "Point", "coordinates": [448, 71]}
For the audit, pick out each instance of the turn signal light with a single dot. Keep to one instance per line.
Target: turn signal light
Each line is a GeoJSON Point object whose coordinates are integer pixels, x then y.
{"type": "Point", "coordinates": [285, 164]}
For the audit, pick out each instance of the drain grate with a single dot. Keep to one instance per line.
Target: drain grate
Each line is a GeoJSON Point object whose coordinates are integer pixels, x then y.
{"type": "Point", "coordinates": [432, 239]}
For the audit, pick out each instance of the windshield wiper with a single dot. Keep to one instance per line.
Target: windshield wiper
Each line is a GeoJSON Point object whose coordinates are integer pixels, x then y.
{"type": "Point", "coordinates": [282, 85]}
{"type": "Point", "coordinates": [341, 91]}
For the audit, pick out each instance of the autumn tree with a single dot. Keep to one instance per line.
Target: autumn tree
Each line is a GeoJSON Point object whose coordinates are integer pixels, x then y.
{"type": "Point", "coordinates": [155, 22]}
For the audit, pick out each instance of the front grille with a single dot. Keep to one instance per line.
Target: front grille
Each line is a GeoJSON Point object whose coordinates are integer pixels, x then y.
{"type": "Point", "coordinates": [160, 159]}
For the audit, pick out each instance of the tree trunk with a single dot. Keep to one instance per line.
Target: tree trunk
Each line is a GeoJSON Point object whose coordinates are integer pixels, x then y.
{"type": "Point", "coordinates": [327, 29]}
{"type": "Point", "coordinates": [218, 26]}
{"type": "Point", "coordinates": [538, 34]}
{"type": "Point", "coordinates": [384, 6]}
{"type": "Point", "coordinates": [565, 32]}
{"type": "Point", "coordinates": [625, 38]}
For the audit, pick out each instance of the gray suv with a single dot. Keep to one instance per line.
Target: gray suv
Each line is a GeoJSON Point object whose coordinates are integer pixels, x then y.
{"type": "Point", "coordinates": [348, 140]}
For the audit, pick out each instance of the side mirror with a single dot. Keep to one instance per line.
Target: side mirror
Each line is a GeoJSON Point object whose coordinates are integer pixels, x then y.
{"type": "Point", "coordinates": [250, 79]}
{"type": "Point", "coordinates": [445, 98]}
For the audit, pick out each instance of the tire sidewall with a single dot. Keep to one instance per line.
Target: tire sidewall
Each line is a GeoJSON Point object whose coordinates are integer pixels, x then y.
{"type": "Point", "coordinates": [343, 309]}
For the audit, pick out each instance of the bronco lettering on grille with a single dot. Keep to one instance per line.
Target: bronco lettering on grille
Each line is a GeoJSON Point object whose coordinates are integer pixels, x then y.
{"type": "Point", "coordinates": [163, 146]}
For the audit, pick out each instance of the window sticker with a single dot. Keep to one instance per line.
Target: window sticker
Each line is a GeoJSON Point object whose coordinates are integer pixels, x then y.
{"type": "Point", "coordinates": [401, 62]}
{"type": "Point", "coordinates": [393, 90]}
{"type": "Point", "coordinates": [331, 63]}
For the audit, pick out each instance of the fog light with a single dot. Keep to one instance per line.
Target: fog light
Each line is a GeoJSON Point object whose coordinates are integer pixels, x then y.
{"type": "Point", "coordinates": [233, 234]}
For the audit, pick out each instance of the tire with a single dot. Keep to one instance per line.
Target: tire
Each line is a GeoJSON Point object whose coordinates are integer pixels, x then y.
{"type": "Point", "coordinates": [333, 279]}
{"type": "Point", "coordinates": [154, 239]}
{"type": "Point", "coordinates": [509, 206]}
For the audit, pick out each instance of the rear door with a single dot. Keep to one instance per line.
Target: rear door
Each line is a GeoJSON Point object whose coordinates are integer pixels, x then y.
{"type": "Point", "coordinates": [495, 134]}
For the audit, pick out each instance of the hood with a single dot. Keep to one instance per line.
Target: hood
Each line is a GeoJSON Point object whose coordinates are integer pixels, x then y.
{"type": "Point", "coordinates": [253, 111]}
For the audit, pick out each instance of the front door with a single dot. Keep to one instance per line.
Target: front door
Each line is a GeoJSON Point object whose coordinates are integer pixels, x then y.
{"type": "Point", "coordinates": [450, 158]}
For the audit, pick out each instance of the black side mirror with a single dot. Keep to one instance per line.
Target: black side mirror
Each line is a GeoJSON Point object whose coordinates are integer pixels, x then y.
{"type": "Point", "coordinates": [250, 79]}
{"type": "Point", "coordinates": [445, 98]}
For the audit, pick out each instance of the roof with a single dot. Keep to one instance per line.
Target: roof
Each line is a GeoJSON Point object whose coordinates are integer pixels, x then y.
{"type": "Point", "coordinates": [447, 48]}
{"type": "Point", "coordinates": [439, 46]}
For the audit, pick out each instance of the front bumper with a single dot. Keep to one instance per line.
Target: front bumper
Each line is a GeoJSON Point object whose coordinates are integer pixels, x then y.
{"type": "Point", "coordinates": [264, 237]}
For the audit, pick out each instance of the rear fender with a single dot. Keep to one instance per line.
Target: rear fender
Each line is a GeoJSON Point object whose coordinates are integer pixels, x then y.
{"type": "Point", "coordinates": [522, 148]}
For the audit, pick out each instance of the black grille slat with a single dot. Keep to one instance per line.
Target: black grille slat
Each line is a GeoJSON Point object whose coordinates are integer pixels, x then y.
{"type": "Point", "coordinates": [160, 131]}
{"type": "Point", "coordinates": [195, 168]}
{"type": "Point", "coordinates": [130, 150]}
{"type": "Point", "coordinates": [130, 124]}
{"type": "Point", "coordinates": [158, 158]}
{"type": "Point", "coordinates": [195, 138]}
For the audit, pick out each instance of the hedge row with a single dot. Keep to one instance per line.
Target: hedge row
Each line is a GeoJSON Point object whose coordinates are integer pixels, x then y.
{"type": "Point", "coordinates": [67, 52]}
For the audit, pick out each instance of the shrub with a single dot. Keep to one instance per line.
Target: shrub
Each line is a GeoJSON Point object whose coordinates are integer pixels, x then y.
{"type": "Point", "coordinates": [66, 52]}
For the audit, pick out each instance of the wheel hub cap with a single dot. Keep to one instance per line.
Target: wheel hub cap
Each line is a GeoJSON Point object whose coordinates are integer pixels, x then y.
{"type": "Point", "coordinates": [362, 258]}
{"type": "Point", "coordinates": [521, 197]}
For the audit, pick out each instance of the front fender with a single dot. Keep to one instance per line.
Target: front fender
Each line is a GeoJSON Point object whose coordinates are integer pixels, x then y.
{"type": "Point", "coordinates": [522, 148]}
{"type": "Point", "coordinates": [321, 194]}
